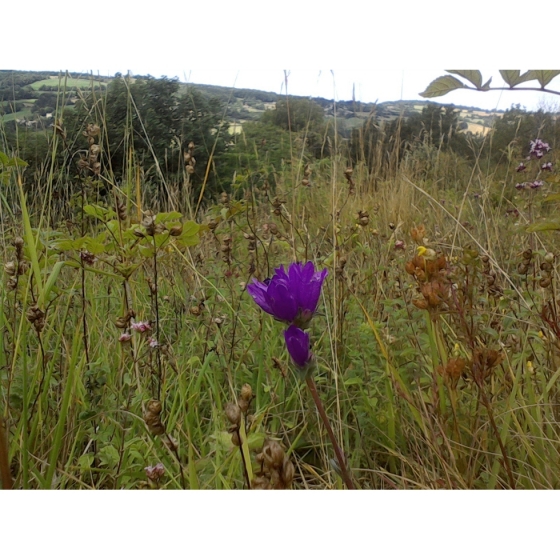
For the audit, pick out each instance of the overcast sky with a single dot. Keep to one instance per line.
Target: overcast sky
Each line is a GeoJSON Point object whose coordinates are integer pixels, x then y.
{"type": "Point", "coordinates": [376, 52]}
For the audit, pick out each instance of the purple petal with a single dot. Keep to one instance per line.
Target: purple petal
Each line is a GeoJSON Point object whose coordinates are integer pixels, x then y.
{"type": "Point", "coordinates": [258, 291]}
{"type": "Point", "coordinates": [281, 300]}
{"type": "Point", "coordinates": [297, 343]}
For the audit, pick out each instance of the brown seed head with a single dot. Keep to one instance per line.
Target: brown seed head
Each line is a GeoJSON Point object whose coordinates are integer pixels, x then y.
{"type": "Point", "coordinates": [233, 413]}
{"type": "Point", "coordinates": [246, 392]}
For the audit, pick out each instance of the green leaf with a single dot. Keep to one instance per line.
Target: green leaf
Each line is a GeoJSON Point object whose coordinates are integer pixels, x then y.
{"type": "Point", "coordinates": [544, 226]}
{"type": "Point", "coordinates": [473, 76]}
{"type": "Point", "coordinates": [108, 455]}
{"type": "Point", "coordinates": [511, 77]}
{"type": "Point", "coordinates": [99, 212]}
{"type": "Point", "coordinates": [442, 86]}
{"type": "Point", "coordinates": [164, 217]}
{"type": "Point", "coordinates": [543, 76]}
{"type": "Point", "coordinates": [551, 197]}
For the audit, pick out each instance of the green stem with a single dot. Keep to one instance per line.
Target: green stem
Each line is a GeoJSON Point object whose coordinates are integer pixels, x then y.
{"type": "Point", "coordinates": [338, 452]}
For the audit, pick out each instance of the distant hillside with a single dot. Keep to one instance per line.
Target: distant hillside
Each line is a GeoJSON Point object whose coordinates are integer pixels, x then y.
{"type": "Point", "coordinates": [26, 96]}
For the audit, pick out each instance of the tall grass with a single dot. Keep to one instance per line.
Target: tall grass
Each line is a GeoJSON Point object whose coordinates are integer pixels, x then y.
{"type": "Point", "coordinates": [83, 410]}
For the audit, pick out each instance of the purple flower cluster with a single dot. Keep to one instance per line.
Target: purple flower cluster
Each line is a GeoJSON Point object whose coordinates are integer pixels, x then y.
{"type": "Point", "coordinates": [537, 151]}
{"type": "Point", "coordinates": [292, 297]}
{"type": "Point", "coordinates": [538, 148]}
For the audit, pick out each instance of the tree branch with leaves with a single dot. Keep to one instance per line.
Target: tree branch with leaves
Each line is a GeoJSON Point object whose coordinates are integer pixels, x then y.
{"type": "Point", "coordinates": [445, 84]}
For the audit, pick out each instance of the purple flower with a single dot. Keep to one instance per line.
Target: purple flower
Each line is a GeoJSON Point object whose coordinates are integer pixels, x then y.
{"type": "Point", "coordinates": [292, 296]}
{"type": "Point", "coordinates": [297, 342]}
{"type": "Point", "coordinates": [539, 148]}
{"type": "Point", "coordinates": [536, 184]}
{"type": "Point", "coordinates": [520, 186]}
{"type": "Point", "coordinates": [521, 167]}
{"type": "Point", "coordinates": [547, 166]}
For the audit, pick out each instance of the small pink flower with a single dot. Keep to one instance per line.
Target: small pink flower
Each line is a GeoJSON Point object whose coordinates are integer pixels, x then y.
{"type": "Point", "coordinates": [141, 327]}
{"type": "Point", "coordinates": [547, 166]}
{"type": "Point", "coordinates": [399, 245]}
{"type": "Point", "coordinates": [536, 184]}
{"type": "Point", "coordinates": [125, 337]}
{"type": "Point", "coordinates": [153, 342]}
{"type": "Point", "coordinates": [156, 472]}
{"type": "Point", "coordinates": [521, 167]}
{"type": "Point", "coordinates": [520, 186]}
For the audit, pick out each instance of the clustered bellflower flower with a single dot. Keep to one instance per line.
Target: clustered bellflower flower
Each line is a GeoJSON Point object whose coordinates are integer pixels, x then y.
{"type": "Point", "coordinates": [538, 149]}
{"type": "Point", "coordinates": [292, 297]}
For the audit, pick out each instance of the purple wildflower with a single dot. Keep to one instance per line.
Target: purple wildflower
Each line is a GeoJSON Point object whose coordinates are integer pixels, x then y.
{"type": "Point", "coordinates": [292, 296]}
{"type": "Point", "coordinates": [521, 167]}
{"type": "Point", "coordinates": [547, 166]}
{"type": "Point", "coordinates": [297, 342]}
{"type": "Point", "coordinates": [536, 184]}
{"type": "Point", "coordinates": [520, 186]}
{"type": "Point", "coordinates": [153, 342]}
{"type": "Point", "coordinates": [125, 337]}
{"type": "Point", "coordinates": [539, 148]}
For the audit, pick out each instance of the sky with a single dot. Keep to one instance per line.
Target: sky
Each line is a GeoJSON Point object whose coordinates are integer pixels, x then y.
{"type": "Point", "coordinates": [353, 49]}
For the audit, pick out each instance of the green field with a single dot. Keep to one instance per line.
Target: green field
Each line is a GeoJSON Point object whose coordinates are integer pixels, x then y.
{"type": "Point", "coordinates": [68, 83]}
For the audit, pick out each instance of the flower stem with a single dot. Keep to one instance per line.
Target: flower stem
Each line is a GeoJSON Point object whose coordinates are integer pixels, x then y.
{"type": "Point", "coordinates": [338, 452]}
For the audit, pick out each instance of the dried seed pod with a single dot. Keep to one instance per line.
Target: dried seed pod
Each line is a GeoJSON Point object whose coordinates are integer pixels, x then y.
{"type": "Point", "coordinates": [233, 413]}
{"type": "Point", "coordinates": [10, 268]}
{"type": "Point", "coordinates": [522, 268]}
{"type": "Point", "coordinates": [243, 405]}
{"type": "Point", "coordinates": [549, 257]}
{"type": "Point", "coordinates": [175, 231]}
{"type": "Point", "coordinates": [420, 303]}
{"type": "Point", "coordinates": [546, 266]}
{"type": "Point", "coordinates": [18, 243]}
{"type": "Point", "coordinates": [246, 392]}
{"type": "Point", "coordinates": [235, 439]}
{"type": "Point", "coordinates": [273, 454]}
{"type": "Point", "coordinates": [545, 282]}
{"type": "Point", "coordinates": [152, 418]}
{"type": "Point", "coordinates": [288, 472]}
{"type": "Point", "coordinates": [527, 254]}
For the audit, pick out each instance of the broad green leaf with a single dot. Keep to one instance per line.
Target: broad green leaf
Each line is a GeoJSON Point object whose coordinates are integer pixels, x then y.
{"type": "Point", "coordinates": [543, 76]}
{"type": "Point", "coordinates": [99, 212]}
{"type": "Point", "coordinates": [190, 228]}
{"type": "Point", "coordinates": [511, 77]}
{"type": "Point", "coordinates": [544, 226]}
{"type": "Point", "coordinates": [442, 86]}
{"type": "Point", "coordinates": [4, 159]}
{"type": "Point", "coordinates": [164, 217]}
{"type": "Point", "coordinates": [473, 76]}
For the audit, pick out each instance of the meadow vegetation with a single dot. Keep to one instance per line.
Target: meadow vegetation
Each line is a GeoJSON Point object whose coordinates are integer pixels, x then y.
{"type": "Point", "coordinates": [132, 355]}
